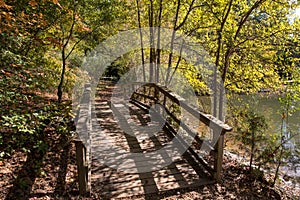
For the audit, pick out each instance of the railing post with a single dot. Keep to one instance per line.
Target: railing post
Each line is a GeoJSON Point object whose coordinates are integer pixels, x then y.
{"type": "Point", "coordinates": [82, 168]}
{"type": "Point", "coordinates": [218, 161]}
{"type": "Point", "coordinates": [125, 93]}
{"type": "Point", "coordinates": [156, 99]}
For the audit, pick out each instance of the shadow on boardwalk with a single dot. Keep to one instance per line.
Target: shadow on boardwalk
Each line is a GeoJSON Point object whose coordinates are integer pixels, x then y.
{"type": "Point", "coordinates": [185, 173]}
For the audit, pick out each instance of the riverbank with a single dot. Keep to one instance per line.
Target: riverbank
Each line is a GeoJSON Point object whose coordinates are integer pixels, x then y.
{"type": "Point", "coordinates": [288, 183]}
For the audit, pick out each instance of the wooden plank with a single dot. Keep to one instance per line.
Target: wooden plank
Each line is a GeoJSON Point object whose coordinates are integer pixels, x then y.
{"type": "Point", "coordinates": [122, 191]}
{"type": "Point", "coordinates": [200, 160]}
{"type": "Point", "coordinates": [183, 168]}
{"type": "Point", "coordinates": [160, 185]}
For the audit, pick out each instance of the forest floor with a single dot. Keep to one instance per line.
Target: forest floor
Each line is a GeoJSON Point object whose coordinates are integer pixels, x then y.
{"type": "Point", "coordinates": [53, 175]}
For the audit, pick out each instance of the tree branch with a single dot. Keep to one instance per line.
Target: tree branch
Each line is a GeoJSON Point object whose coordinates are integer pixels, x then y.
{"type": "Point", "coordinates": [186, 16]}
{"type": "Point", "coordinates": [248, 13]}
{"type": "Point", "coordinates": [172, 41]}
{"type": "Point", "coordinates": [72, 26]}
{"type": "Point", "coordinates": [178, 61]}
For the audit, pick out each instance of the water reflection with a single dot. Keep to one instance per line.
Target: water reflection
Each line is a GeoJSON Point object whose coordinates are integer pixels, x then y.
{"type": "Point", "coordinates": [271, 108]}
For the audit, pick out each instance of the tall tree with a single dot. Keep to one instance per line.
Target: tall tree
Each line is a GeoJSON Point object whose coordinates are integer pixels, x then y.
{"type": "Point", "coordinates": [80, 21]}
{"type": "Point", "coordinates": [243, 37]}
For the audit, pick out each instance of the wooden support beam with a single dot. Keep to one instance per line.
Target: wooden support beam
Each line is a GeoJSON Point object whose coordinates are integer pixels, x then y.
{"type": "Point", "coordinates": [82, 168]}
{"type": "Point", "coordinates": [218, 161]}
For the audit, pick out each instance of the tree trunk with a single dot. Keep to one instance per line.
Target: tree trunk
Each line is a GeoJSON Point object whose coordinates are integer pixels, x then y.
{"type": "Point", "coordinates": [278, 166]}
{"type": "Point", "coordinates": [152, 50]}
{"type": "Point", "coordinates": [158, 41]}
{"type": "Point", "coordinates": [217, 85]}
{"type": "Point", "coordinates": [141, 39]}
{"type": "Point", "coordinates": [252, 150]}
{"type": "Point", "coordinates": [65, 56]}
{"type": "Point", "coordinates": [172, 43]}
{"type": "Point", "coordinates": [62, 77]}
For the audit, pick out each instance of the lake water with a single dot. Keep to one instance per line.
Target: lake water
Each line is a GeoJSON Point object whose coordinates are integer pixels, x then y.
{"type": "Point", "coordinates": [271, 109]}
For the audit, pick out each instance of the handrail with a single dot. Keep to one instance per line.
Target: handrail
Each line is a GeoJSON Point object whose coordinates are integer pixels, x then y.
{"type": "Point", "coordinates": [209, 120]}
{"type": "Point", "coordinates": [82, 141]}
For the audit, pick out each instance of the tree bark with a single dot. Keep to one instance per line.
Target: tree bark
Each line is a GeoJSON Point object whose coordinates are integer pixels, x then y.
{"type": "Point", "coordinates": [152, 50]}
{"type": "Point", "coordinates": [141, 39]}
{"type": "Point", "coordinates": [252, 150]}
{"type": "Point", "coordinates": [158, 41]}
{"type": "Point", "coordinates": [217, 86]}
{"type": "Point", "coordinates": [172, 43]}
{"type": "Point", "coordinates": [62, 76]}
{"type": "Point", "coordinates": [64, 56]}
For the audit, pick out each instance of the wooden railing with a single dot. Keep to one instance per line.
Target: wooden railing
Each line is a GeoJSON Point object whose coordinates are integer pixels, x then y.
{"type": "Point", "coordinates": [149, 94]}
{"type": "Point", "coordinates": [82, 141]}
{"type": "Point", "coordinates": [82, 138]}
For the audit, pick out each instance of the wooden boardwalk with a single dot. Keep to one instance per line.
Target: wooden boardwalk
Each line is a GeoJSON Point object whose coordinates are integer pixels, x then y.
{"type": "Point", "coordinates": [113, 182]}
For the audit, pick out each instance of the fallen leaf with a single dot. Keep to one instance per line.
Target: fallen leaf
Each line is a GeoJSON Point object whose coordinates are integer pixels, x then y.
{"type": "Point", "coordinates": [33, 3]}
